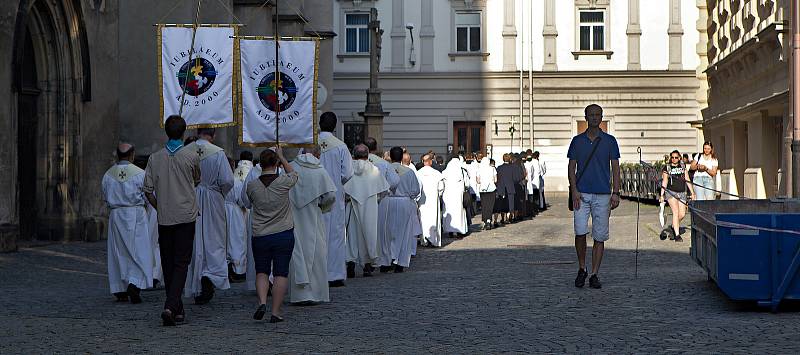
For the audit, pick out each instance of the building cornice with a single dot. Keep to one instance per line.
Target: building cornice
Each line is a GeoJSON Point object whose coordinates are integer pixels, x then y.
{"type": "Point", "coordinates": [646, 74]}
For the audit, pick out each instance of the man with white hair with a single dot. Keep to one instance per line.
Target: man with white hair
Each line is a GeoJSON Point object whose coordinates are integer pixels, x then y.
{"type": "Point", "coordinates": [311, 197]}
{"type": "Point", "coordinates": [363, 190]}
{"type": "Point", "coordinates": [130, 256]}
{"type": "Point", "coordinates": [209, 268]}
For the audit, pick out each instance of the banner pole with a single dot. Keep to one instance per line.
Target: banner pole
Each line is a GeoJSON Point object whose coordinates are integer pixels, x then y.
{"type": "Point", "coordinates": [277, 79]}
{"type": "Point", "coordinates": [191, 50]}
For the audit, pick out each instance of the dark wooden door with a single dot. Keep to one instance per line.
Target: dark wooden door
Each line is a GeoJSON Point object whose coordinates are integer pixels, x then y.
{"type": "Point", "coordinates": [469, 137]}
{"type": "Point", "coordinates": [582, 125]}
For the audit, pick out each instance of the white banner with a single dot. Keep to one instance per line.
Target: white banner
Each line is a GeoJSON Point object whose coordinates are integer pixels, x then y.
{"type": "Point", "coordinates": [208, 78]}
{"type": "Point", "coordinates": [296, 93]}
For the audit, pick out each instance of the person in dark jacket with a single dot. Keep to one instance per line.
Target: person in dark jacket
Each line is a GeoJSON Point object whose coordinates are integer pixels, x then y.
{"type": "Point", "coordinates": [508, 177]}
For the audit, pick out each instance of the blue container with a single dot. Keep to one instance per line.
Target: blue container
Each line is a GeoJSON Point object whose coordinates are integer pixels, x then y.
{"type": "Point", "coordinates": [747, 263]}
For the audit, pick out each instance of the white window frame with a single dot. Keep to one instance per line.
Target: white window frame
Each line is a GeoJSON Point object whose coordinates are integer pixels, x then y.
{"type": "Point", "coordinates": [469, 28]}
{"type": "Point", "coordinates": [358, 33]}
{"type": "Point", "coordinates": [350, 7]}
{"type": "Point", "coordinates": [467, 6]}
{"type": "Point", "coordinates": [592, 26]}
{"type": "Point", "coordinates": [603, 6]}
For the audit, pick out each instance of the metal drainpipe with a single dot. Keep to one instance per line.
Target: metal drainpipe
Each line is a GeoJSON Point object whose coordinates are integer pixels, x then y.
{"type": "Point", "coordinates": [795, 98]}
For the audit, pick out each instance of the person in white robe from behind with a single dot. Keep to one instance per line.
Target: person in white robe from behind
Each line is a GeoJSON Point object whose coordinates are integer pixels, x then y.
{"type": "Point", "coordinates": [237, 214]}
{"type": "Point", "coordinates": [158, 272]}
{"type": "Point", "coordinates": [209, 267]}
{"type": "Point", "coordinates": [430, 206]}
{"type": "Point", "coordinates": [336, 160]}
{"type": "Point", "coordinates": [130, 255]}
{"type": "Point", "coordinates": [313, 195]}
{"type": "Point", "coordinates": [455, 183]}
{"type": "Point", "coordinates": [403, 223]}
{"type": "Point", "coordinates": [384, 240]}
{"type": "Point", "coordinates": [363, 191]}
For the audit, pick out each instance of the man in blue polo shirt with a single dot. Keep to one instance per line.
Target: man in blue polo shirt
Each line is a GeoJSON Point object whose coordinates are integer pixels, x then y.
{"type": "Point", "coordinates": [590, 178]}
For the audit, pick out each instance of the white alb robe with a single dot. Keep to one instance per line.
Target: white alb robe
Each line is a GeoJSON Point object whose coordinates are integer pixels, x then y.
{"type": "Point", "coordinates": [430, 205]}
{"type": "Point", "coordinates": [472, 176]}
{"type": "Point", "coordinates": [313, 195]}
{"type": "Point", "coordinates": [402, 225]}
{"type": "Point", "coordinates": [384, 240]}
{"type": "Point", "coordinates": [152, 216]}
{"type": "Point", "coordinates": [336, 160]}
{"type": "Point", "coordinates": [454, 216]}
{"type": "Point", "coordinates": [130, 254]}
{"type": "Point", "coordinates": [363, 190]}
{"type": "Point", "coordinates": [211, 230]}
{"type": "Point", "coordinates": [237, 237]}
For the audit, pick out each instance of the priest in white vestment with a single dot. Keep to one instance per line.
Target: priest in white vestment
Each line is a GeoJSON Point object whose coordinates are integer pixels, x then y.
{"type": "Point", "coordinates": [402, 225]}
{"type": "Point", "coordinates": [209, 266]}
{"type": "Point", "coordinates": [336, 160]}
{"type": "Point", "coordinates": [430, 202]}
{"type": "Point", "coordinates": [238, 218]}
{"type": "Point", "coordinates": [311, 198]}
{"type": "Point", "coordinates": [390, 174]}
{"type": "Point", "coordinates": [130, 255]}
{"type": "Point", "coordinates": [455, 183]}
{"type": "Point", "coordinates": [363, 191]}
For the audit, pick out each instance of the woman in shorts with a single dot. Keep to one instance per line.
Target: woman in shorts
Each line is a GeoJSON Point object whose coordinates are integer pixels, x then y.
{"type": "Point", "coordinates": [674, 176]}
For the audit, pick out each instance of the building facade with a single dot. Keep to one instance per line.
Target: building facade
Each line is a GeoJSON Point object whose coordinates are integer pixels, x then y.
{"type": "Point", "coordinates": [748, 118]}
{"type": "Point", "coordinates": [79, 76]}
{"type": "Point", "coordinates": [457, 72]}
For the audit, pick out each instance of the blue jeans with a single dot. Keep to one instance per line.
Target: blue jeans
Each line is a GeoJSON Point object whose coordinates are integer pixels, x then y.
{"type": "Point", "coordinates": [701, 188]}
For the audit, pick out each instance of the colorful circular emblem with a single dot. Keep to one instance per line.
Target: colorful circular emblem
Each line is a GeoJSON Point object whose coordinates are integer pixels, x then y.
{"type": "Point", "coordinates": [271, 93]}
{"type": "Point", "coordinates": [200, 73]}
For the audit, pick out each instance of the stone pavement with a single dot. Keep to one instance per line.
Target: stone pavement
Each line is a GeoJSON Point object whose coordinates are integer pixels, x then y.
{"type": "Point", "coordinates": [505, 290]}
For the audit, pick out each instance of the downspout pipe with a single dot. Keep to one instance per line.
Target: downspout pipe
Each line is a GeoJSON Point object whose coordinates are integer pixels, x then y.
{"type": "Point", "coordinates": [794, 90]}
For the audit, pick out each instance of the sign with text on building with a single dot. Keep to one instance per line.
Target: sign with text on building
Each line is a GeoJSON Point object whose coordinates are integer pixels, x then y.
{"type": "Point", "coordinates": [292, 98]}
{"type": "Point", "coordinates": [208, 77]}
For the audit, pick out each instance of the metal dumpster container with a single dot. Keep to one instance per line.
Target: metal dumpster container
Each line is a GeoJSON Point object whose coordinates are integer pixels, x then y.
{"type": "Point", "coordinates": [748, 263]}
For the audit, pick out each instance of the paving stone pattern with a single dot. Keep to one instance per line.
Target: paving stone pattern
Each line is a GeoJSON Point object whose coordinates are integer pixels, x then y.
{"type": "Point", "coordinates": [504, 290]}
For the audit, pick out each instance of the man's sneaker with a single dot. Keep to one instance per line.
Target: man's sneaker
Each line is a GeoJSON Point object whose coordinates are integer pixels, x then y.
{"type": "Point", "coordinates": [581, 279]}
{"type": "Point", "coordinates": [594, 282]}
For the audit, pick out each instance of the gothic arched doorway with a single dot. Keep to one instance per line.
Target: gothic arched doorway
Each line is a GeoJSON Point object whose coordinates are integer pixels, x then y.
{"type": "Point", "coordinates": [50, 61]}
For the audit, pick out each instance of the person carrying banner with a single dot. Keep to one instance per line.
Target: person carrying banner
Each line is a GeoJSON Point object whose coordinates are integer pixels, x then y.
{"type": "Point", "coordinates": [172, 174]}
{"type": "Point", "coordinates": [430, 203]}
{"type": "Point", "coordinates": [273, 229]}
{"type": "Point", "coordinates": [364, 190]}
{"type": "Point", "coordinates": [209, 268]}
{"type": "Point", "coordinates": [336, 160]}
{"type": "Point", "coordinates": [312, 196]}
{"type": "Point", "coordinates": [130, 260]}
{"type": "Point", "coordinates": [402, 224]}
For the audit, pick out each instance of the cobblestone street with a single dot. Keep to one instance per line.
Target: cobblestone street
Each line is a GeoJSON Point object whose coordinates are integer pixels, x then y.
{"type": "Point", "coordinates": [505, 290]}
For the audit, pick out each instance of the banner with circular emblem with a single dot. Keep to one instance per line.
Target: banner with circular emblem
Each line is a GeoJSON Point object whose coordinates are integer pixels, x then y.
{"type": "Point", "coordinates": [207, 74]}
{"type": "Point", "coordinates": [292, 98]}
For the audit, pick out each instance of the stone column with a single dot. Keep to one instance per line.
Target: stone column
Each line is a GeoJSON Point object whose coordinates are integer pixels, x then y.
{"type": "Point", "coordinates": [426, 35]}
{"type": "Point", "coordinates": [634, 32]}
{"type": "Point", "coordinates": [373, 112]}
{"type": "Point", "coordinates": [675, 32]}
{"type": "Point", "coordinates": [509, 37]}
{"type": "Point", "coordinates": [549, 33]}
{"type": "Point", "coordinates": [398, 36]}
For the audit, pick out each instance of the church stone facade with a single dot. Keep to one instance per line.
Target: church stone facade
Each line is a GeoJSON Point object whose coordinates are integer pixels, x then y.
{"type": "Point", "coordinates": [77, 77]}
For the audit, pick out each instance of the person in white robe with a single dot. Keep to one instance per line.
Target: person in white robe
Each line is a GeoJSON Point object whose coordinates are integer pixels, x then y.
{"type": "Point", "coordinates": [407, 162]}
{"type": "Point", "coordinates": [534, 169]}
{"type": "Point", "coordinates": [312, 196]}
{"type": "Point", "coordinates": [209, 267]}
{"type": "Point", "coordinates": [363, 191]}
{"type": "Point", "coordinates": [430, 206]}
{"type": "Point", "coordinates": [455, 183]}
{"type": "Point", "coordinates": [158, 272]}
{"type": "Point", "coordinates": [388, 173]}
{"type": "Point", "coordinates": [402, 226]}
{"type": "Point", "coordinates": [130, 254]}
{"type": "Point", "coordinates": [542, 173]}
{"type": "Point", "coordinates": [237, 214]}
{"type": "Point", "coordinates": [336, 160]}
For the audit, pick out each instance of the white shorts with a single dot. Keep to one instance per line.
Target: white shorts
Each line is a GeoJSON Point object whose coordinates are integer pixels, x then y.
{"type": "Point", "coordinates": [598, 206]}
